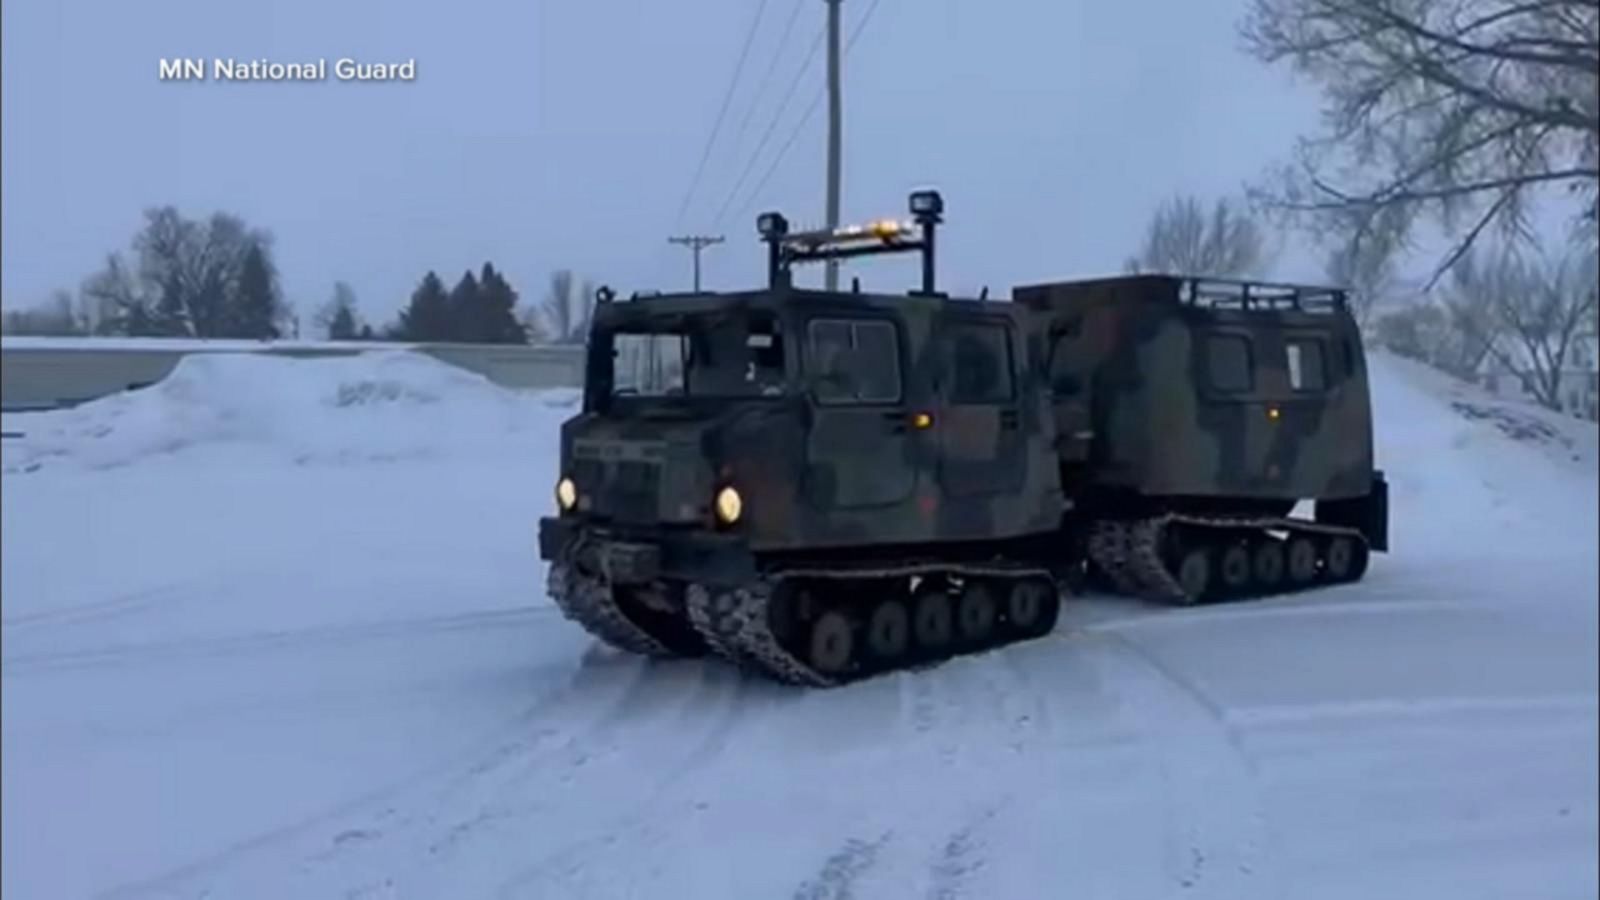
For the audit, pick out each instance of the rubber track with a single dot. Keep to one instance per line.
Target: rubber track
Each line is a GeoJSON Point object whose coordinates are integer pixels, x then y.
{"type": "Point", "coordinates": [1129, 552]}
{"type": "Point", "coordinates": [736, 625]}
{"type": "Point", "coordinates": [587, 601]}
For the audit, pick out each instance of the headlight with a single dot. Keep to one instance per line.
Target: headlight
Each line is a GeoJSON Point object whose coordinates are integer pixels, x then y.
{"type": "Point", "coordinates": [566, 493]}
{"type": "Point", "coordinates": [729, 505]}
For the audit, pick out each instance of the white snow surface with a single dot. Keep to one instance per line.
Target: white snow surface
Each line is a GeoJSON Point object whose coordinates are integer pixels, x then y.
{"type": "Point", "coordinates": [275, 628]}
{"type": "Point", "coordinates": [184, 345]}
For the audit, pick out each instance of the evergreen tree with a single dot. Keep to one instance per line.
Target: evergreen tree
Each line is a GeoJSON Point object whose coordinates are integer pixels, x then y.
{"type": "Point", "coordinates": [257, 308]}
{"type": "Point", "coordinates": [366, 334]}
{"type": "Point", "coordinates": [427, 318]}
{"type": "Point", "coordinates": [465, 320]}
{"type": "Point", "coordinates": [338, 318]}
{"type": "Point", "coordinates": [498, 309]}
{"type": "Point", "coordinates": [343, 325]}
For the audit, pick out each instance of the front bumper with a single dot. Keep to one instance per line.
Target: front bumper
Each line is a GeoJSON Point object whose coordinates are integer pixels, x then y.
{"type": "Point", "coordinates": [639, 555]}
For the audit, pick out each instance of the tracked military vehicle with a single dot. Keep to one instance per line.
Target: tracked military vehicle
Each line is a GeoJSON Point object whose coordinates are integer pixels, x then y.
{"type": "Point", "coordinates": [825, 485]}
{"type": "Point", "coordinates": [1193, 415]}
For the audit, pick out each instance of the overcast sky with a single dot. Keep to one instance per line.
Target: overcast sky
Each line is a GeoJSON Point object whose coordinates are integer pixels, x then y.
{"type": "Point", "coordinates": [542, 134]}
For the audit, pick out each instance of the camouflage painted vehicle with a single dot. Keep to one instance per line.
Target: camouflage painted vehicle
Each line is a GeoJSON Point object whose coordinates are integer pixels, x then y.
{"type": "Point", "coordinates": [824, 485]}
{"type": "Point", "coordinates": [1193, 415]}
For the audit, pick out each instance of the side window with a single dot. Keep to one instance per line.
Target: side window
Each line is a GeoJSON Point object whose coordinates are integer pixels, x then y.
{"type": "Point", "coordinates": [1064, 378]}
{"type": "Point", "coordinates": [854, 361]}
{"type": "Point", "coordinates": [1229, 363]}
{"type": "Point", "coordinates": [979, 357]}
{"type": "Point", "coordinates": [1306, 368]}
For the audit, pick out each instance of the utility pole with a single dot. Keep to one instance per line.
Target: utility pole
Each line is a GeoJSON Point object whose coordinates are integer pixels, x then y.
{"type": "Point", "coordinates": [835, 126]}
{"type": "Point", "coordinates": [696, 243]}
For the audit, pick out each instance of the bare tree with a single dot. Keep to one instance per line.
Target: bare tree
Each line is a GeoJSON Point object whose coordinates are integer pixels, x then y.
{"type": "Point", "coordinates": [566, 309]}
{"type": "Point", "coordinates": [1546, 309]}
{"type": "Point", "coordinates": [338, 319]}
{"type": "Point", "coordinates": [186, 276]}
{"type": "Point", "coordinates": [1367, 268]}
{"type": "Point", "coordinates": [60, 316]}
{"type": "Point", "coordinates": [533, 324]}
{"type": "Point", "coordinates": [1455, 110]}
{"type": "Point", "coordinates": [1470, 323]}
{"type": "Point", "coordinates": [1183, 239]}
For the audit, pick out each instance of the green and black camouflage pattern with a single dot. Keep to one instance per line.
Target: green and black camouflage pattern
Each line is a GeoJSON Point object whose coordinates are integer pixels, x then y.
{"type": "Point", "coordinates": [919, 420]}
{"type": "Point", "coordinates": [1143, 403]}
{"type": "Point", "coordinates": [917, 464]}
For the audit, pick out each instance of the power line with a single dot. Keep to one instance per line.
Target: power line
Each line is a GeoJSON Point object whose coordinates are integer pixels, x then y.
{"type": "Point", "coordinates": [776, 118]}
{"type": "Point", "coordinates": [799, 126]}
{"type": "Point", "coordinates": [772, 69]}
{"type": "Point", "coordinates": [727, 98]}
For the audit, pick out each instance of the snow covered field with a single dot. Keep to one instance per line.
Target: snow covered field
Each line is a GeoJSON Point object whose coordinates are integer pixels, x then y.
{"type": "Point", "coordinates": [274, 629]}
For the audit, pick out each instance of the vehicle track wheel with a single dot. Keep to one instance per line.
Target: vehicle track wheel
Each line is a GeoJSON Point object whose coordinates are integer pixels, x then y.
{"type": "Point", "coordinates": [932, 623]}
{"type": "Point", "coordinates": [1032, 607]}
{"type": "Point", "coordinates": [889, 633]}
{"type": "Point", "coordinates": [1194, 575]}
{"type": "Point", "coordinates": [1302, 561]}
{"type": "Point", "coordinates": [1341, 558]}
{"type": "Point", "coordinates": [1363, 557]}
{"type": "Point", "coordinates": [832, 648]}
{"type": "Point", "coordinates": [1269, 565]}
{"type": "Point", "coordinates": [1236, 569]}
{"type": "Point", "coordinates": [976, 613]}
{"type": "Point", "coordinates": [671, 628]}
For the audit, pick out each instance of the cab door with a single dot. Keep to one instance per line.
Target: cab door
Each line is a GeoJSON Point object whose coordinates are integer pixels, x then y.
{"type": "Point", "coordinates": [857, 445]}
{"type": "Point", "coordinates": [983, 449]}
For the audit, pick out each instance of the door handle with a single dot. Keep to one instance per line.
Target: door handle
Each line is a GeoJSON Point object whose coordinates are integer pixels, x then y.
{"type": "Point", "coordinates": [1008, 419]}
{"type": "Point", "coordinates": [896, 422]}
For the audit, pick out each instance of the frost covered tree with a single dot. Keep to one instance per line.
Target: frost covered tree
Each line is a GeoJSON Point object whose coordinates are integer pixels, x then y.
{"type": "Point", "coordinates": [339, 318]}
{"type": "Point", "coordinates": [1367, 268]}
{"type": "Point", "coordinates": [257, 308]}
{"type": "Point", "coordinates": [1184, 238]}
{"type": "Point", "coordinates": [1460, 112]}
{"type": "Point", "coordinates": [1544, 307]}
{"type": "Point", "coordinates": [60, 316]}
{"type": "Point", "coordinates": [566, 309]}
{"type": "Point", "coordinates": [186, 279]}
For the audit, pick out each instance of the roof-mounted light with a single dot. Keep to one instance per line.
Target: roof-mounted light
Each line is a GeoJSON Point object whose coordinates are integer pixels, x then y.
{"type": "Point", "coordinates": [772, 224]}
{"type": "Point", "coordinates": [927, 204]}
{"type": "Point", "coordinates": [889, 228]}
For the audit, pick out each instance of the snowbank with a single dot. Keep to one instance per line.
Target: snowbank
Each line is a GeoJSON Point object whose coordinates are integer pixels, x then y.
{"type": "Point", "coordinates": [185, 345]}
{"type": "Point", "coordinates": [374, 407]}
{"type": "Point", "coordinates": [1468, 470]}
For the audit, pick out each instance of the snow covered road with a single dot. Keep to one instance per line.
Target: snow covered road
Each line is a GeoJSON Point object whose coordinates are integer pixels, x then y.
{"type": "Point", "coordinates": [261, 652]}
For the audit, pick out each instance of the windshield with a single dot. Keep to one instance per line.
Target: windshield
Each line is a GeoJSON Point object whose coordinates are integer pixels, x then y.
{"type": "Point", "coordinates": [697, 357]}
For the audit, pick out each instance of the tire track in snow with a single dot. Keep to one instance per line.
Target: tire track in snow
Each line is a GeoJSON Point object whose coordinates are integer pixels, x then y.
{"type": "Point", "coordinates": [639, 826]}
{"type": "Point", "coordinates": [1219, 838]}
{"type": "Point", "coordinates": [836, 879]}
{"type": "Point", "coordinates": [358, 824]}
{"type": "Point", "coordinates": [958, 859]}
{"type": "Point", "coordinates": [94, 612]}
{"type": "Point", "coordinates": [233, 645]}
{"type": "Point", "coordinates": [480, 822]}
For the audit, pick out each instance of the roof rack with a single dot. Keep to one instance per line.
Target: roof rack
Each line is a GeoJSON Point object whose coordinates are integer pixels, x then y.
{"type": "Point", "coordinates": [1259, 296]}
{"type": "Point", "coordinates": [786, 248]}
